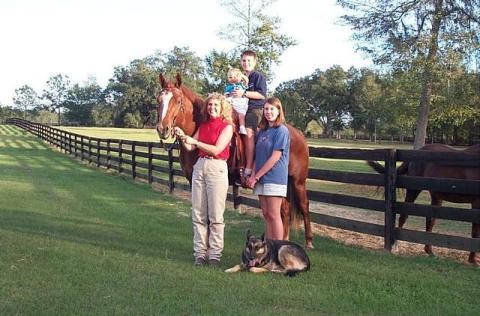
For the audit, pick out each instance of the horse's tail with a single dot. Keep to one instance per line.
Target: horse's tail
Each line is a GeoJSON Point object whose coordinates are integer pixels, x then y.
{"type": "Point", "coordinates": [296, 216]}
{"type": "Point", "coordinates": [381, 169]}
{"type": "Point", "coordinates": [376, 166]}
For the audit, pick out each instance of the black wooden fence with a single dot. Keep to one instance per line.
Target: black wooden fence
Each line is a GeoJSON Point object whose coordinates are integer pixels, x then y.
{"type": "Point", "coordinates": [151, 162]}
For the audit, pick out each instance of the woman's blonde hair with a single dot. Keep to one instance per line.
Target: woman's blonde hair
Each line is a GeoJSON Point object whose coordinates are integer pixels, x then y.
{"type": "Point", "coordinates": [237, 73]}
{"type": "Point", "coordinates": [225, 107]}
{"type": "Point", "coordinates": [280, 118]}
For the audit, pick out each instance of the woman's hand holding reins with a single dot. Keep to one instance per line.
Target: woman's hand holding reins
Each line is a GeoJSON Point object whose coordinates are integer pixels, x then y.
{"type": "Point", "coordinates": [178, 132]}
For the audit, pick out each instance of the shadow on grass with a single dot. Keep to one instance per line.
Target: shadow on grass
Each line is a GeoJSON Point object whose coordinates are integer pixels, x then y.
{"type": "Point", "coordinates": [99, 234]}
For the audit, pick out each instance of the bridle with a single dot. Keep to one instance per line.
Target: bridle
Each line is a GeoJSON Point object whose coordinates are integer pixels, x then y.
{"type": "Point", "coordinates": [179, 99]}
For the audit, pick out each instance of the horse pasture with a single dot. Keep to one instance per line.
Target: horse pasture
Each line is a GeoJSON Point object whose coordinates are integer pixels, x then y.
{"type": "Point", "coordinates": [77, 240]}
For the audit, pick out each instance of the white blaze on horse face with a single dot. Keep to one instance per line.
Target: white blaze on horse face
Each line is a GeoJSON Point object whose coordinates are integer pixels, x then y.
{"type": "Point", "coordinates": [165, 102]}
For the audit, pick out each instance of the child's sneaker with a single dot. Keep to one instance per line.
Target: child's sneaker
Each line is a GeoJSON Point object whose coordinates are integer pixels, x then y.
{"type": "Point", "coordinates": [242, 130]}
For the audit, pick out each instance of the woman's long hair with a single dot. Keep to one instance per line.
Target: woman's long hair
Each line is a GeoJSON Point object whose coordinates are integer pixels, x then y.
{"type": "Point", "coordinates": [225, 107]}
{"type": "Point", "coordinates": [280, 118]}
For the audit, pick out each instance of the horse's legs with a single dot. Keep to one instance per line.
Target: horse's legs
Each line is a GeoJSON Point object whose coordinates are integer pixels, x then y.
{"type": "Point", "coordinates": [430, 221]}
{"type": "Point", "coordinates": [475, 233]}
{"type": "Point", "coordinates": [285, 213]}
{"type": "Point", "coordinates": [301, 201]}
{"type": "Point", "coordinates": [409, 198]}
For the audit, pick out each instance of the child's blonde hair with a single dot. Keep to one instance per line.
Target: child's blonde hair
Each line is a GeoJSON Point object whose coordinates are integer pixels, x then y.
{"type": "Point", "coordinates": [237, 73]}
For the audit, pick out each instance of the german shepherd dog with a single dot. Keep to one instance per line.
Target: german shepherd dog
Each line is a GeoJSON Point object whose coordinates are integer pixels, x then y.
{"type": "Point", "coordinates": [279, 256]}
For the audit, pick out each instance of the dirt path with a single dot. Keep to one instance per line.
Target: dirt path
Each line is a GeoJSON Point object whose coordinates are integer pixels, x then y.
{"type": "Point", "coordinates": [375, 243]}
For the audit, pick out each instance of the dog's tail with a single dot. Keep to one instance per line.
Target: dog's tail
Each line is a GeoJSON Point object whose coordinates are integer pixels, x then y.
{"type": "Point", "coordinates": [292, 273]}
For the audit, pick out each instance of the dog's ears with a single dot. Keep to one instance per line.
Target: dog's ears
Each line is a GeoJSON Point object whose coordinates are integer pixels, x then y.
{"type": "Point", "coordinates": [248, 234]}
{"type": "Point", "coordinates": [263, 237]}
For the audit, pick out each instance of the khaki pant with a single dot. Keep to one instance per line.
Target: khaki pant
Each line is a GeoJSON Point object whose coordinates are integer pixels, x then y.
{"type": "Point", "coordinates": [209, 192]}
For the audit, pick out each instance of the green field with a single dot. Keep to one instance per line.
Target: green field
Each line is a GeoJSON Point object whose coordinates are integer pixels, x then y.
{"type": "Point", "coordinates": [76, 241]}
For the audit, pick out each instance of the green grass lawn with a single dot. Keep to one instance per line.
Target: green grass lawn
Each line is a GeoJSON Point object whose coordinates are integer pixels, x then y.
{"type": "Point", "coordinates": [79, 241]}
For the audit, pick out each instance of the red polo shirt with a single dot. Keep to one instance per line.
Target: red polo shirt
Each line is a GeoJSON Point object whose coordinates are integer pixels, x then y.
{"type": "Point", "coordinates": [209, 132]}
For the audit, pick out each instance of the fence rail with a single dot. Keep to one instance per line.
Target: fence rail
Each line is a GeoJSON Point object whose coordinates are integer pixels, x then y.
{"type": "Point", "coordinates": [151, 162]}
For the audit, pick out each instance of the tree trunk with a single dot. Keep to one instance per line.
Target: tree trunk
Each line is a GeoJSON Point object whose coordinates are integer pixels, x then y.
{"type": "Point", "coordinates": [424, 107]}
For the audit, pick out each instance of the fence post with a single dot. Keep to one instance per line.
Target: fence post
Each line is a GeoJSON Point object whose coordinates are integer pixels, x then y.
{"type": "Point", "coordinates": [49, 135]}
{"type": "Point", "coordinates": [108, 154]}
{"type": "Point", "coordinates": [171, 183]}
{"type": "Point", "coordinates": [98, 153]}
{"type": "Point", "coordinates": [90, 150]}
{"type": "Point", "coordinates": [70, 143]}
{"type": "Point", "coordinates": [63, 138]}
{"type": "Point", "coordinates": [81, 147]}
{"type": "Point", "coordinates": [120, 142]}
{"type": "Point", "coordinates": [150, 167]}
{"type": "Point", "coordinates": [76, 146]}
{"type": "Point", "coordinates": [134, 165]}
{"type": "Point", "coordinates": [390, 197]}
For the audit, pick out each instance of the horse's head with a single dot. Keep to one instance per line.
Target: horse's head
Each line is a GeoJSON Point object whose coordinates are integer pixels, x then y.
{"type": "Point", "coordinates": [174, 109]}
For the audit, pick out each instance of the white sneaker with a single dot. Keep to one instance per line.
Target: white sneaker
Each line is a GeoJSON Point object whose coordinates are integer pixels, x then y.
{"type": "Point", "coordinates": [242, 130]}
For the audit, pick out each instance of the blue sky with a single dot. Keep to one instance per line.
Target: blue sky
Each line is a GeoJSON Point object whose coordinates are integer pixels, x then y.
{"type": "Point", "coordinates": [82, 38]}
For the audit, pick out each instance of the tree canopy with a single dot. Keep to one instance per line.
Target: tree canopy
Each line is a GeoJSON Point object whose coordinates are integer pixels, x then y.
{"type": "Point", "coordinates": [416, 35]}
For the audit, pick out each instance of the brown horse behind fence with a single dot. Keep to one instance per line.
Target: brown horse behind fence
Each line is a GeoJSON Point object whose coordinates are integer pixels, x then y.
{"type": "Point", "coordinates": [440, 170]}
{"type": "Point", "coordinates": [179, 106]}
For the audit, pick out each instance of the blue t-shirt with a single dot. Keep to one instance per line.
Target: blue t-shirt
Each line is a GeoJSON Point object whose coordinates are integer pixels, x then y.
{"type": "Point", "coordinates": [268, 140]}
{"type": "Point", "coordinates": [257, 82]}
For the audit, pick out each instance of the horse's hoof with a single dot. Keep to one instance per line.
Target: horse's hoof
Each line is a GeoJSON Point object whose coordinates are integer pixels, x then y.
{"type": "Point", "coordinates": [395, 248]}
{"type": "Point", "coordinates": [473, 261]}
{"type": "Point", "coordinates": [428, 250]}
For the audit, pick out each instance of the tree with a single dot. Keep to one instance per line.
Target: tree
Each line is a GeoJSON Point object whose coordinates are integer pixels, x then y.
{"type": "Point", "coordinates": [294, 105]}
{"type": "Point", "coordinates": [7, 112]}
{"type": "Point", "coordinates": [217, 64]}
{"type": "Point", "coordinates": [56, 93]}
{"type": "Point", "coordinates": [81, 101]}
{"type": "Point", "coordinates": [406, 34]}
{"type": "Point", "coordinates": [327, 96]}
{"type": "Point", "coordinates": [26, 99]}
{"type": "Point", "coordinates": [256, 31]}
{"type": "Point", "coordinates": [185, 62]}
{"type": "Point", "coordinates": [367, 94]}
{"type": "Point", "coordinates": [133, 88]}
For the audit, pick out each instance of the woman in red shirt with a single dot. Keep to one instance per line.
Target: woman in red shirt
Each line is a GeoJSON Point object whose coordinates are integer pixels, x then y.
{"type": "Point", "coordinates": [210, 178]}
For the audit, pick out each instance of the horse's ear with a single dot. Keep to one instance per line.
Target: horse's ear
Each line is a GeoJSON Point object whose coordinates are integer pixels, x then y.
{"type": "Point", "coordinates": [179, 80]}
{"type": "Point", "coordinates": [163, 82]}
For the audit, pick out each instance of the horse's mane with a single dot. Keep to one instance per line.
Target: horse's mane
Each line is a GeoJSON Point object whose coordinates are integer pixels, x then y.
{"type": "Point", "coordinates": [197, 102]}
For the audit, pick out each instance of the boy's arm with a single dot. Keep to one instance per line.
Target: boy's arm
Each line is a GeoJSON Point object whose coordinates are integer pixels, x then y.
{"type": "Point", "coordinates": [253, 95]}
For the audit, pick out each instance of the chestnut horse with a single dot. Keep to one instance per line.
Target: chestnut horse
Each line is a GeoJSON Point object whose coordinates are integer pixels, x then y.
{"type": "Point", "coordinates": [440, 170]}
{"type": "Point", "coordinates": [179, 106]}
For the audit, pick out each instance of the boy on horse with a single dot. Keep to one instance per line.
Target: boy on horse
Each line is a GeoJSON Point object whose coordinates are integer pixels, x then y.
{"type": "Point", "coordinates": [256, 94]}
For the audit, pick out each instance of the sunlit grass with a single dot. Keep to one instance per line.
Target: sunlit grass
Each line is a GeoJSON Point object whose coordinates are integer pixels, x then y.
{"type": "Point", "coordinates": [78, 241]}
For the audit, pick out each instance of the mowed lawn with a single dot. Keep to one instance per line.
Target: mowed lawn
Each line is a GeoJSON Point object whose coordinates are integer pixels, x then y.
{"type": "Point", "coordinates": [75, 240]}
